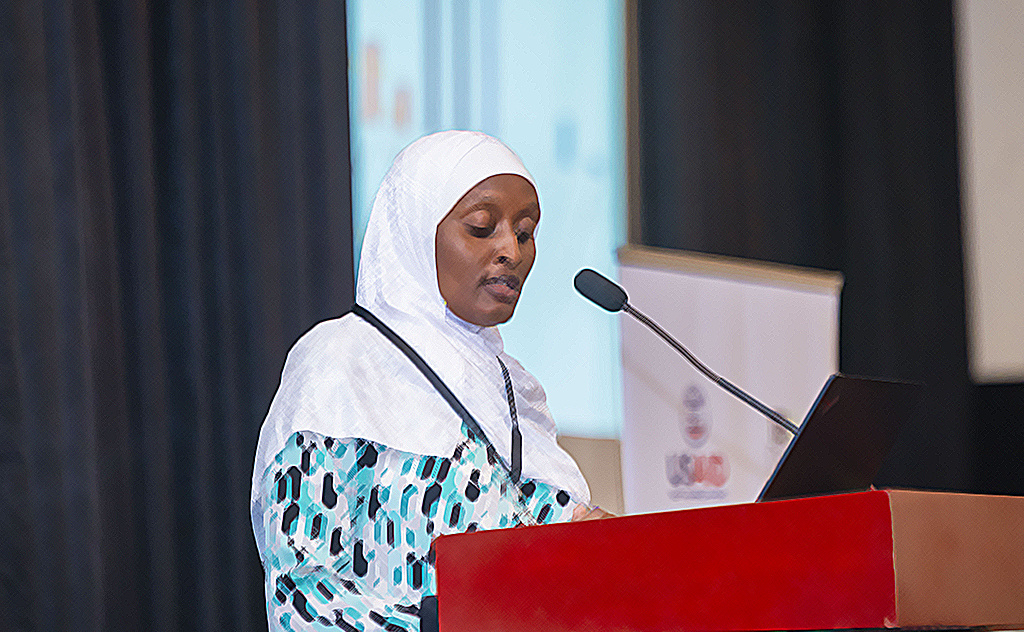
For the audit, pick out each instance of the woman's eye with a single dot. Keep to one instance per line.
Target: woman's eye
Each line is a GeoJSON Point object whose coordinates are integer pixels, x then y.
{"type": "Point", "coordinates": [524, 236]}
{"type": "Point", "coordinates": [479, 231]}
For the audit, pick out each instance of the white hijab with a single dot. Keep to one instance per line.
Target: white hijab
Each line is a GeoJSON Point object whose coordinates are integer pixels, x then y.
{"type": "Point", "coordinates": [344, 380]}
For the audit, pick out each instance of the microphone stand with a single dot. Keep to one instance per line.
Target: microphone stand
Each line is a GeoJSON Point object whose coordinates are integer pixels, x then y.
{"type": "Point", "coordinates": [711, 375]}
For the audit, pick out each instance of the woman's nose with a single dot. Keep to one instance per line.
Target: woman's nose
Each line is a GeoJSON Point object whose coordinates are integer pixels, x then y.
{"type": "Point", "coordinates": [508, 252]}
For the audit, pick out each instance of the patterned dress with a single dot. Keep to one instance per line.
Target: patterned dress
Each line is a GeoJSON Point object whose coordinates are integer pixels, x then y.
{"type": "Point", "coordinates": [348, 526]}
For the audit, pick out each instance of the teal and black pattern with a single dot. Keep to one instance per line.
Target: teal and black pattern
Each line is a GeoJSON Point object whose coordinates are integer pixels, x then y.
{"type": "Point", "coordinates": [349, 524]}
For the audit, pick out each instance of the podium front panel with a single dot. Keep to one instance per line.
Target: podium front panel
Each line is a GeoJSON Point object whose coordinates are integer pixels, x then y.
{"type": "Point", "coordinates": [819, 563]}
{"type": "Point", "coordinates": [875, 559]}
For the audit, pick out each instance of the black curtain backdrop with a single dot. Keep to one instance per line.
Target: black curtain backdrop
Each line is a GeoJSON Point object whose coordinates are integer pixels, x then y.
{"type": "Point", "coordinates": [175, 185]}
{"type": "Point", "coordinates": [1000, 430]}
{"type": "Point", "coordinates": [823, 134]}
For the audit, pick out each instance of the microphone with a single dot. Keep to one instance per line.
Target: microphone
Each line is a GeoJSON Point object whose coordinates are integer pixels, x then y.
{"type": "Point", "coordinates": [600, 290]}
{"type": "Point", "coordinates": [611, 297]}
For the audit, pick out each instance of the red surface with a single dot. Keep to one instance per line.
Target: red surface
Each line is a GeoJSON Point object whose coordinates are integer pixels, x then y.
{"type": "Point", "coordinates": [816, 563]}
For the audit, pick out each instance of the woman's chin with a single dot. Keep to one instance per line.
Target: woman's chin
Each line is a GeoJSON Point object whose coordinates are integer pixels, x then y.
{"type": "Point", "coordinates": [489, 315]}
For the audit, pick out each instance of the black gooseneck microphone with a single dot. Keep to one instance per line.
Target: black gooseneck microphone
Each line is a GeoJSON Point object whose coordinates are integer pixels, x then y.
{"type": "Point", "coordinates": [613, 298]}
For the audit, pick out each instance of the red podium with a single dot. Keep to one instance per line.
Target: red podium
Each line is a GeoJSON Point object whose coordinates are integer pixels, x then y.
{"type": "Point", "coordinates": [878, 559]}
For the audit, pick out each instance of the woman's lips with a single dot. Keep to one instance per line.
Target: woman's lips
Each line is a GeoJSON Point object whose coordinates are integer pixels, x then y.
{"type": "Point", "coordinates": [504, 288]}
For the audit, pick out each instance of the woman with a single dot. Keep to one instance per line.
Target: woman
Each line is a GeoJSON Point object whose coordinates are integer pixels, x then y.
{"type": "Point", "coordinates": [405, 419]}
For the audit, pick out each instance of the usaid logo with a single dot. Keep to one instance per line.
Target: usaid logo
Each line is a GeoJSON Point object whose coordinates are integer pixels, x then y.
{"type": "Point", "coordinates": [695, 475]}
{"type": "Point", "coordinates": [686, 470]}
{"type": "Point", "coordinates": [695, 417]}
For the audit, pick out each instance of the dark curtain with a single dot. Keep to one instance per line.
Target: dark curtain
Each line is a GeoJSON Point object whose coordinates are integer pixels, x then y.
{"type": "Point", "coordinates": [174, 178]}
{"type": "Point", "coordinates": [1000, 430]}
{"type": "Point", "coordinates": [823, 134]}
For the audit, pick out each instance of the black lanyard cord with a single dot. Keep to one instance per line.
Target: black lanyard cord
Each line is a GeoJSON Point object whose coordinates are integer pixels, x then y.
{"type": "Point", "coordinates": [435, 380]}
{"type": "Point", "coordinates": [517, 437]}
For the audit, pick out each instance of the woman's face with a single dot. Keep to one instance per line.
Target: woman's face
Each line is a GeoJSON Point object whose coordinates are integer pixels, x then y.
{"type": "Point", "coordinates": [484, 248]}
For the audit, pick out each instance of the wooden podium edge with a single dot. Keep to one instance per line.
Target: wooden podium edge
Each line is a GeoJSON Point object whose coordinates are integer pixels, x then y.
{"type": "Point", "coordinates": [958, 559]}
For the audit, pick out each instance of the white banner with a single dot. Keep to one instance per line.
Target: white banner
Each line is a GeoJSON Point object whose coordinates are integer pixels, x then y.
{"type": "Point", "coordinates": [771, 330]}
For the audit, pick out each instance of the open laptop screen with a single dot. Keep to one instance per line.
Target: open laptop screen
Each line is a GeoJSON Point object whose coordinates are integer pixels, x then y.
{"type": "Point", "coordinates": [844, 439]}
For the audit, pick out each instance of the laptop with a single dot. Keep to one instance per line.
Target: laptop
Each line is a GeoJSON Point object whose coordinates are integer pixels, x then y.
{"type": "Point", "coordinates": [844, 439]}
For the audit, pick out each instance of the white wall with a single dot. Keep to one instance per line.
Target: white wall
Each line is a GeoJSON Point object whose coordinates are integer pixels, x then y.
{"type": "Point", "coordinates": [990, 74]}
